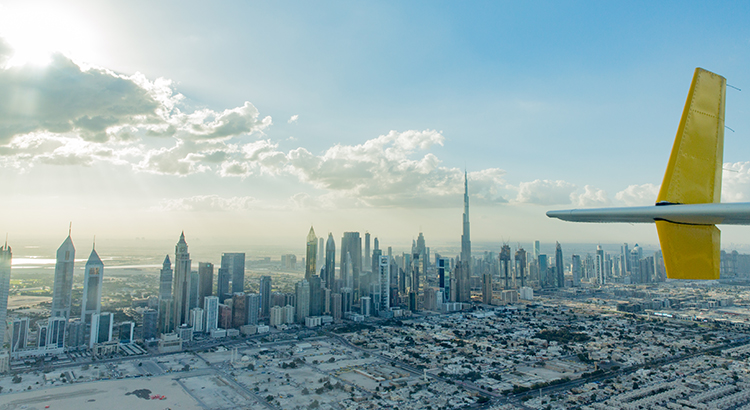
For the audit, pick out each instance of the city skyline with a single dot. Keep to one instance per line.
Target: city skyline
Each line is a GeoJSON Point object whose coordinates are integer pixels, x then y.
{"type": "Point", "coordinates": [539, 110]}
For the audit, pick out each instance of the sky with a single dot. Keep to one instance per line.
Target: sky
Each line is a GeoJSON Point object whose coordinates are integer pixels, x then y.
{"type": "Point", "coordinates": [250, 121]}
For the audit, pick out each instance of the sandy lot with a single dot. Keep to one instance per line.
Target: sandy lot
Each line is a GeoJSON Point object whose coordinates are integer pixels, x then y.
{"type": "Point", "coordinates": [110, 394]}
{"type": "Point", "coordinates": [26, 301]}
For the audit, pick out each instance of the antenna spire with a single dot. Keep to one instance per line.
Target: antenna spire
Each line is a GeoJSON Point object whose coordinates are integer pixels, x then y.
{"type": "Point", "coordinates": [70, 228]}
{"type": "Point", "coordinates": [94, 247]}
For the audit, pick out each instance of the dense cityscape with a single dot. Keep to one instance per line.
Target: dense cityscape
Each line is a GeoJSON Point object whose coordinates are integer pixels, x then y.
{"type": "Point", "coordinates": [362, 327]}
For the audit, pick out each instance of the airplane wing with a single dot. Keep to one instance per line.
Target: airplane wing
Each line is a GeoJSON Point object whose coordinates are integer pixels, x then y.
{"type": "Point", "coordinates": [688, 207]}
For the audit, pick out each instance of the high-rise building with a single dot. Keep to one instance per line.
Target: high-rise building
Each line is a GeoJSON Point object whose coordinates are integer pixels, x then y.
{"type": "Point", "coordinates": [91, 302]}
{"type": "Point", "coordinates": [576, 270]}
{"type": "Point", "coordinates": [182, 283]}
{"type": "Point", "coordinates": [537, 250]}
{"type": "Point", "coordinates": [559, 268]}
{"type": "Point", "coordinates": [351, 245]}
{"type": "Point", "coordinates": [101, 328]}
{"type": "Point", "coordinates": [165, 280]}
{"type": "Point", "coordinates": [20, 334]}
{"type": "Point", "coordinates": [463, 272]}
{"type": "Point", "coordinates": [223, 289]}
{"type": "Point", "coordinates": [150, 324]}
{"type": "Point", "coordinates": [544, 278]}
{"type": "Point", "coordinates": [316, 296]}
{"type": "Point", "coordinates": [368, 259]}
{"type": "Point", "coordinates": [312, 253]}
{"type": "Point", "coordinates": [63, 286]}
{"type": "Point", "coordinates": [302, 290]}
{"type": "Point", "coordinates": [320, 259]}
{"type": "Point", "coordinates": [234, 265]}
{"type": "Point", "coordinates": [56, 332]}
{"type": "Point", "coordinates": [384, 278]}
{"type": "Point", "coordinates": [252, 302]}
{"type": "Point", "coordinates": [197, 319]}
{"type": "Point", "coordinates": [330, 269]}
{"type": "Point", "coordinates": [625, 255]}
{"type": "Point", "coordinates": [265, 296]}
{"type": "Point", "coordinates": [239, 310]}
{"type": "Point", "coordinates": [5, 262]}
{"type": "Point", "coordinates": [504, 258]}
{"type": "Point", "coordinates": [599, 265]}
{"type": "Point", "coordinates": [211, 311]}
{"type": "Point", "coordinates": [205, 281]}
{"type": "Point", "coordinates": [520, 258]}
{"type": "Point", "coordinates": [76, 334]}
{"type": "Point", "coordinates": [126, 332]}
{"type": "Point", "coordinates": [487, 288]}
{"type": "Point", "coordinates": [225, 316]}
{"type": "Point", "coordinates": [336, 306]}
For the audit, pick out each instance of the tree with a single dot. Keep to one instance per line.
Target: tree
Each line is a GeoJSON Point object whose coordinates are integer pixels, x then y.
{"type": "Point", "coordinates": [17, 379]}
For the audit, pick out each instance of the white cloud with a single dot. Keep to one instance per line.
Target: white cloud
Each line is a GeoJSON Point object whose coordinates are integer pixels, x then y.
{"type": "Point", "coordinates": [638, 195]}
{"type": "Point", "coordinates": [591, 197]}
{"type": "Point", "coordinates": [736, 182]}
{"type": "Point", "coordinates": [545, 192]}
{"type": "Point", "coordinates": [293, 119]}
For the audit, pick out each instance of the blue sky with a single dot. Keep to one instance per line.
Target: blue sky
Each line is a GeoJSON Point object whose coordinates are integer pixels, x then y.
{"type": "Point", "coordinates": [547, 104]}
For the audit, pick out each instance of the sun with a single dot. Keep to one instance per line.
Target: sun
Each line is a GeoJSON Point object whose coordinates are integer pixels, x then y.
{"type": "Point", "coordinates": [36, 33]}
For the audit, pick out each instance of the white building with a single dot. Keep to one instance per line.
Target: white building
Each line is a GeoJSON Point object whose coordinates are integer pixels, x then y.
{"type": "Point", "coordinates": [91, 302]}
{"type": "Point", "coordinates": [527, 293]}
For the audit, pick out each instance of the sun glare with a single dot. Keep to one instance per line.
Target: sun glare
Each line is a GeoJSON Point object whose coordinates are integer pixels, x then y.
{"type": "Point", "coordinates": [36, 33]}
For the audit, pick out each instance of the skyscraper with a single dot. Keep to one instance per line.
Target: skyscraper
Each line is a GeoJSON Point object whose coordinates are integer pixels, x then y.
{"type": "Point", "coordinates": [463, 274]}
{"type": "Point", "coordinates": [302, 290]}
{"type": "Point", "coordinates": [351, 244]}
{"type": "Point", "coordinates": [5, 259]}
{"type": "Point", "coordinates": [239, 310]}
{"type": "Point", "coordinates": [206, 281]}
{"type": "Point", "coordinates": [265, 296]}
{"type": "Point", "coordinates": [505, 264]}
{"type": "Point", "coordinates": [321, 255]}
{"type": "Point", "coordinates": [211, 311]}
{"type": "Point", "coordinates": [91, 302]}
{"type": "Point", "coordinates": [330, 270]}
{"type": "Point", "coordinates": [599, 265]}
{"type": "Point", "coordinates": [182, 283]}
{"type": "Point", "coordinates": [559, 266]}
{"type": "Point", "coordinates": [384, 278]}
{"type": "Point", "coordinates": [316, 296]}
{"type": "Point", "coordinates": [150, 329]}
{"type": "Point", "coordinates": [252, 302]}
{"type": "Point", "coordinates": [56, 332]}
{"type": "Point", "coordinates": [166, 303]}
{"type": "Point", "coordinates": [20, 335]}
{"type": "Point", "coordinates": [487, 288]}
{"type": "Point", "coordinates": [520, 258]}
{"type": "Point", "coordinates": [576, 270]}
{"type": "Point", "coordinates": [63, 285]}
{"type": "Point", "coordinates": [368, 255]}
{"type": "Point", "coordinates": [232, 266]}
{"type": "Point", "coordinates": [312, 253]}
{"type": "Point", "coordinates": [101, 328]}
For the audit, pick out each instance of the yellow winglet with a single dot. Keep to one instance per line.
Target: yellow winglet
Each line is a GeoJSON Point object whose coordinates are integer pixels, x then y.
{"type": "Point", "coordinates": [693, 173]}
{"type": "Point", "coordinates": [693, 176]}
{"type": "Point", "coordinates": [690, 251]}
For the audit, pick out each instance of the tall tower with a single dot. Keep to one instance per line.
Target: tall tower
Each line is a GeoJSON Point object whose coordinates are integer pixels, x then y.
{"type": "Point", "coordinates": [330, 276]}
{"type": "Point", "coordinates": [321, 254]}
{"type": "Point", "coordinates": [520, 258]}
{"type": "Point", "coordinates": [91, 302]}
{"type": "Point", "coordinates": [63, 286]}
{"type": "Point", "coordinates": [265, 296]}
{"type": "Point", "coordinates": [166, 306]}
{"type": "Point", "coordinates": [599, 265]}
{"type": "Point", "coordinates": [351, 244]}
{"type": "Point", "coordinates": [182, 282]}
{"type": "Point", "coordinates": [234, 263]}
{"type": "Point", "coordinates": [206, 284]}
{"type": "Point", "coordinates": [368, 255]}
{"type": "Point", "coordinates": [505, 264]}
{"type": "Point", "coordinates": [559, 266]}
{"type": "Point", "coordinates": [463, 293]}
{"type": "Point", "coordinates": [384, 278]}
{"type": "Point", "coordinates": [312, 253]}
{"type": "Point", "coordinates": [5, 257]}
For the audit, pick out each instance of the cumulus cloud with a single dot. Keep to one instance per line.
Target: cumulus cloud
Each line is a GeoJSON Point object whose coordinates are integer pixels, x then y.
{"type": "Point", "coordinates": [591, 197]}
{"type": "Point", "coordinates": [545, 192]}
{"type": "Point", "coordinates": [638, 195]}
{"type": "Point", "coordinates": [293, 119]}
{"type": "Point", "coordinates": [47, 109]}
